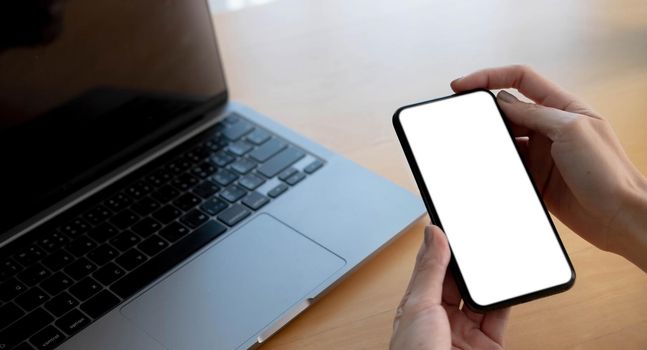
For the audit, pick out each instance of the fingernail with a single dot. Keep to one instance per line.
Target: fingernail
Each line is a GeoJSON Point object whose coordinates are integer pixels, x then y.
{"type": "Point", "coordinates": [506, 97]}
{"type": "Point", "coordinates": [456, 80]}
{"type": "Point", "coordinates": [428, 237]}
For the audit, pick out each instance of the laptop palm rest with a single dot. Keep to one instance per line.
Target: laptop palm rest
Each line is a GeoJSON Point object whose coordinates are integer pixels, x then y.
{"type": "Point", "coordinates": [235, 289]}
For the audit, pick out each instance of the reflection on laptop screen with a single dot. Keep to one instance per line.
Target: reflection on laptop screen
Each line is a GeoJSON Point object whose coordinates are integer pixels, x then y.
{"type": "Point", "coordinates": [84, 85]}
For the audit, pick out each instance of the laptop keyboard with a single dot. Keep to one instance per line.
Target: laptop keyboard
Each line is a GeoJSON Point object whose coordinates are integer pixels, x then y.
{"type": "Point", "coordinates": [69, 276]}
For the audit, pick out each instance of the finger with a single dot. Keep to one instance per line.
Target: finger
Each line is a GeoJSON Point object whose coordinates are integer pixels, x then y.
{"type": "Point", "coordinates": [494, 324]}
{"type": "Point", "coordinates": [526, 80]}
{"type": "Point", "coordinates": [518, 131]}
{"type": "Point", "coordinates": [475, 317]}
{"type": "Point", "coordinates": [540, 162]}
{"type": "Point", "coordinates": [427, 286]}
{"type": "Point", "coordinates": [405, 297]}
{"type": "Point", "coordinates": [451, 295]}
{"type": "Point", "coordinates": [545, 120]}
{"type": "Point", "coordinates": [523, 144]}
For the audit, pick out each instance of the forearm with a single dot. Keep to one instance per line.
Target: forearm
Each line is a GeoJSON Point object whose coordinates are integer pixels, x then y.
{"type": "Point", "coordinates": [631, 242]}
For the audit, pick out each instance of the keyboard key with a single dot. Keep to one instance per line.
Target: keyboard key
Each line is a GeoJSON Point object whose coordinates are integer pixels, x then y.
{"type": "Point", "coordinates": [194, 218]}
{"type": "Point", "coordinates": [125, 218]}
{"type": "Point", "coordinates": [108, 274]}
{"type": "Point", "coordinates": [203, 170]}
{"type": "Point", "coordinates": [139, 189]}
{"type": "Point", "coordinates": [234, 214]}
{"type": "Point", "coordinates": [57, 283]}
{"type": "Point", "coordinates": [131, 259]}
{"type": "Point", "coordinates": [221, 158]}
{"type": "Point", "coordinates": [270, 148]}
{"type": "Point", "coordinates": [165, 193]}
{"type": "Point", "coordinates": [81, 246]}
{"type": "Point", "coordinates": [80, 269]}
{"type": "Point", "coordinates": [255, 200]}
{"type": "Point", "coordinates": [185, 182]}
{"type": "Point", "coordinates": [280, 161]}
{"type": "Point", "coordinates": [214, 206]}
{"type": "Point", "coordinates": [285, 174]}
{"type": "Point", "coordinates": [278, 190]}
{"type": "Point", "coordinates": [78, 226]}
{"type": "Point", "coordinates": [8, 268]}
{"type": "Point", "coordinates": [145, 206]}
{"type": "Point", "coordinates": [251, 181]}
{"type": "Point", "coordinates": [179, 165]}
{"type": "Point", "coordinates": [167, 214]}
{"type": "Point", "coordinates": [100, 304]}
{"type": "Point", "coordinates": [29, 255]}
{"type": "Point", "coordinates": [173, 232]}
{"type": "Point", "coordinates": [48, 338]}
{"type": "Point", "coordinates": [168, 259]}
{"type": "Point", "coordinates": [94, 216]}
{"type": "Point", "coordinates": [125, 241]}
{"type": "Point", "coordinates": [213, 145]}
{"type": "Point", "coordinates": [24, 328]}
{"type": "Point", "coordinates": [243, 165]}
{"type": "Point", "coordinates": [73, 322]}
{"type": "Point", "coordinates": [10, 289]}
{"type": "Point", "coordinates": [312, 167]}
{"type": "Point", "coordinates": [197, 154]}
{"type": "Point", "coordinates": [239, 148]}
{"type": "Point", "coordinates": [118, 202]}
{"type": "Point", "coordinates": [205, 189]}
{"type": "Point", "coordinates": [187, 201]}
{"type": "Point", "coordinates": [146, 227]}
{"type": "Point", "coordinates": [295, 178]}
{"type": "Point", "coordinates": [9, 313]}
{"type": "Point", "coordinates": [153, 245]}
{"type": "Point", "coordinates": [224, 177]}
{"type": "Point", "coordinates": [24, 346]}
{"type": "Point", "coordinates": [159, 177]}
{"type": "Point", "coordinates": [53, 241]}
{"type": "Point", "coordinates": [85, 289]}
{"type": "Point", "coordinates": [33, 274]}
{"type": "Point", "coordinates": [103, 232]}
{"type": "Point", "coordinates": [237, 130]}
{"type": "Point", "coordinates": [61, 304]}
{"type": "Point", "coordinates": [258, 137]}
{"type": "Point", "coordinates": [58, 260]}
{"type": "Point", "coordinates": [32, 298]}
{"type": "Point", "coordinates": [232, 119]}
{"type": "Point", "coordinates": [233, 193]}
{"type": "Point", "coordinates": [103, 254]}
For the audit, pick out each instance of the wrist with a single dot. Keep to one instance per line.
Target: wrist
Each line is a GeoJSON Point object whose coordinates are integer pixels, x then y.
{"type": "Point", "coordinates": [631, 240]}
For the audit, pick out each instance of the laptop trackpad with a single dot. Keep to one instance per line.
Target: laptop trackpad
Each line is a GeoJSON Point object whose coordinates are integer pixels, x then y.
{"type": "Point", "coordinates": [235, 289]}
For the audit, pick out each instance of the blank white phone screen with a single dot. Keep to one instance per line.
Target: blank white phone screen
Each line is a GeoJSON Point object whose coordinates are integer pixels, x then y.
{"type": "Point", "coordinates": [500, 236]}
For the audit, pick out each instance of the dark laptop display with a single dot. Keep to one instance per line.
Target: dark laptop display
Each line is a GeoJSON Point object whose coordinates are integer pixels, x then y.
{"type": "Point", "coordinates": [84, 85]}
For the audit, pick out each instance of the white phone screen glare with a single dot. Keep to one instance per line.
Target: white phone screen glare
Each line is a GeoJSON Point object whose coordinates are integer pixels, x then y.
{"type": "Point", "coordinates": [499, 233]}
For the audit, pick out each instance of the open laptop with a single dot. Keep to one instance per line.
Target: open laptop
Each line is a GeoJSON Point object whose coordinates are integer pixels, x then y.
{"type": "Point", "coordinates": [140, 208]}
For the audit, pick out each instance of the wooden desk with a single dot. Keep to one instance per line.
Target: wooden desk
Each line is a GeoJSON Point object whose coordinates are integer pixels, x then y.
{"type": "Point", "coordinates": [335, 70]}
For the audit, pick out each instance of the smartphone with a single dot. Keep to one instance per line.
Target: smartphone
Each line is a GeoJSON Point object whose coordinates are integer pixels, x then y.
{"type": "Point", "coordinates": [505, 248]}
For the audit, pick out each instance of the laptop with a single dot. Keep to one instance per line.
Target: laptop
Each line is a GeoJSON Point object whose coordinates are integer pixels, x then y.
{"type": "Point", "coordinates": [141, 208]}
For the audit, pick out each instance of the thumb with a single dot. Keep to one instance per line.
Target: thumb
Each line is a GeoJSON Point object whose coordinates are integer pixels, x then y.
{"type": "Point", "coordinates": [545, 120]}
{"type": "Point", "coordinates": [429, 273]}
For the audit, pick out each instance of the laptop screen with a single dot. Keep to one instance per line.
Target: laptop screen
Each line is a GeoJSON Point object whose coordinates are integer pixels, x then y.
{"type": "Point", "coordinates": [86, 85]}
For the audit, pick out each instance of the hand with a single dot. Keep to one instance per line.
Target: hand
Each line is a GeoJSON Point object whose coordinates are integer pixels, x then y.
{"type": "Point", "coordinates": [575, 159]}
{"type": "Point", "coordinates": [430, 316]}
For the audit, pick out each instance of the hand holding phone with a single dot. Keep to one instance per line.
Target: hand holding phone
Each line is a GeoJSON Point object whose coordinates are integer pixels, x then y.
{"type": "Point", "coordinates": [505, 249]}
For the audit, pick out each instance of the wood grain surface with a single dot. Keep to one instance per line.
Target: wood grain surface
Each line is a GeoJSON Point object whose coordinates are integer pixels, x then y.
{"type": "Point", "coordinates": [336, 70]}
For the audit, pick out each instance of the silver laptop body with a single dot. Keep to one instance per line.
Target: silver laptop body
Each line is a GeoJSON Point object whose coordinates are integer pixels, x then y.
{"type": "Point", "coordinates": [246, 283]}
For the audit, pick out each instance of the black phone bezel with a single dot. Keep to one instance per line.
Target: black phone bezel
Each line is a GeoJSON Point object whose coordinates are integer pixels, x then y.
{"type": "Point", "coordinates": [453, 266]}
